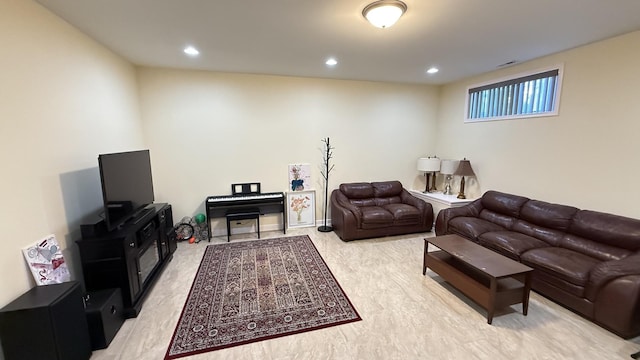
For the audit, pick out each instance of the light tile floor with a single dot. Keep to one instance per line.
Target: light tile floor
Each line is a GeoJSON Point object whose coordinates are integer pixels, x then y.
{"type": "Point", "coordinates": [405, 315]}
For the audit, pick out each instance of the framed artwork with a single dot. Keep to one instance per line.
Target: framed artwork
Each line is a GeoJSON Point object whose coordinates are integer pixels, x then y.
{"type": "Point", "coordinates": [299, 177]}
{"type": "Point", "coordinates": [301, 208]}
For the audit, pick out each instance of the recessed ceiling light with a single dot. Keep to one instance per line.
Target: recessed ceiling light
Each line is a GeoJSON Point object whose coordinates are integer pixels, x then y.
{"type": "Point", "coordinates": [331, 62]}
{"type": "Point", "coordinates": [432, 70]}
{"type": "Point", "coordinates": [191, 51]}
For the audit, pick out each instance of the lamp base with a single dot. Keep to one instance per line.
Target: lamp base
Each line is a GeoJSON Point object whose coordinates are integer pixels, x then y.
{"type": "Point", "coordinates": [447, 185]}
{"type": "Point", "coordinates": [426, 182]}
{"type": "Point", "coordinates": [325, 228]}
{"type": "Point", "coordinates": [461, 193]}
{"type": "Point", "coordinates": [432, 188]}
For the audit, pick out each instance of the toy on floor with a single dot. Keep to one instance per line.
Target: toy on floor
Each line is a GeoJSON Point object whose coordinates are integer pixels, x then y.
{"type": "Point", "coordinates": [192, 229]}
{"type": "Point", "coordinates": [184, 230]}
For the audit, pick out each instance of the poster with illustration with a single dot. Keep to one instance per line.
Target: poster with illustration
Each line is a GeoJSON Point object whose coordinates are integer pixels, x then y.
{"type": "Point", "coordinates": [46, 262]}
{"type": "Point", "coordinates": [302, 208]}
{"type": "Point", "coordinates": [299, 177]}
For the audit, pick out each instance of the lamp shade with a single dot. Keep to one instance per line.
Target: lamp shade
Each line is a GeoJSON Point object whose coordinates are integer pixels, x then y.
{"type": "Point", "coordinates": [429, 164]}
{"type": "Point", "coordinates": [448, 167]}
{"type": "Point", "coordinates": [384, 13]}
{"type": "Point", "coordinates": [464, 169]}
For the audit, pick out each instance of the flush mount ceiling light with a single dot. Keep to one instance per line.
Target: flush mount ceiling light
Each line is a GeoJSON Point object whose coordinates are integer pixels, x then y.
{"type": "Point", "coordinates": [384, 13]}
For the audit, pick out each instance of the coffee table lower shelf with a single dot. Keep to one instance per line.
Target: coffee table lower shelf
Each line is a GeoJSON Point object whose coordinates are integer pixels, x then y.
{"type": "Point", "coordinates": [488, 292]}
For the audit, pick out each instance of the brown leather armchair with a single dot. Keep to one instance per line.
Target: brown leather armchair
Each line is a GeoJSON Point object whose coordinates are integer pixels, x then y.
{"type": "Point", "coordinates": [366, 210]}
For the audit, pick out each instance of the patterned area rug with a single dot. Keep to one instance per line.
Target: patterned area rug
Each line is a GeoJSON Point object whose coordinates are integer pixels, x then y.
{"type": "Point", "coordinates": [257, 290]}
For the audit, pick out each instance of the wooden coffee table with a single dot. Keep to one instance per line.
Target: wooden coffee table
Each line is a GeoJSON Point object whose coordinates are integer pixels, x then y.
{"type": "Point", "coordinates": [491, 280]}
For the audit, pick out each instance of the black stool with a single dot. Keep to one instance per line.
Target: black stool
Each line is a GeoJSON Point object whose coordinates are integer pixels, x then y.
{"type": "Point", "coordinates": [242, 214]}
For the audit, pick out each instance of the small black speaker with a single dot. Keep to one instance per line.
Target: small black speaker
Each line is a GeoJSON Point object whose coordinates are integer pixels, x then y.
{"type": "Point", "coordinates": [105, 316]}
{"type": "Point", "coordinates": [94, 228]}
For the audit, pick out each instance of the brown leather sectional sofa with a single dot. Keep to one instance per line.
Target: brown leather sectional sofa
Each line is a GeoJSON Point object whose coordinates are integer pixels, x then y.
{"type": "Point", "coordinates": [366, 210]}
{"type": "Point", "coordinates": [585, 260]}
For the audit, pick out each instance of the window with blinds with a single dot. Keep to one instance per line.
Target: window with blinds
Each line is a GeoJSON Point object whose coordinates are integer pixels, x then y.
{"type": "Point", "coordinates": [527, 95]}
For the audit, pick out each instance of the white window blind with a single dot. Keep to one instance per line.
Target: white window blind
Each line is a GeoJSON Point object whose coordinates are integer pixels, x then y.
{"type": "Point", "coordinates": [529, 95]}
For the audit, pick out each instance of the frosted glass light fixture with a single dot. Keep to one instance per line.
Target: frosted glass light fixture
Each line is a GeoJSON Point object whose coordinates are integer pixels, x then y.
{"type": "Point", "coordinates": [384, 13]}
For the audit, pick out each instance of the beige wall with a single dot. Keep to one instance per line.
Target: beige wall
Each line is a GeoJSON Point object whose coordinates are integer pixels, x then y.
{"type": "Point", "coordinates": [63, 100]}
{"type": "Point", "coordinates": [585, 157]}
{"type": "Point", "coordinates": [208, 130]}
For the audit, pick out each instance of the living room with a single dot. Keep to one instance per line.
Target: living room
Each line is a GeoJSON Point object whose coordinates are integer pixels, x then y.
{"type": "Point", "coordinates": [66, 98]}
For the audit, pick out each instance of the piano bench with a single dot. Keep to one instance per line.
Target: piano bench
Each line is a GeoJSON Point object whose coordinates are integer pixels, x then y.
{"type": "Point", "coordinates": [242, 214]}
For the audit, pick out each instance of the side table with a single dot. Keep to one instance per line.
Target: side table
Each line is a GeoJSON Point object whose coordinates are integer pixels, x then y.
{"type": "Point", "coordinates": [440, 201]}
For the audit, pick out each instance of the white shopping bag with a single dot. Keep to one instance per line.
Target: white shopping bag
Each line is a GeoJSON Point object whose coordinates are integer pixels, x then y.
{"type": "Point", "coordinates": [46, 261]}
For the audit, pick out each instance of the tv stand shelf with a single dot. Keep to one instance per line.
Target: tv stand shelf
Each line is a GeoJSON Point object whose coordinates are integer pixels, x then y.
{"type": "Point", "coordinates": [131, 257]}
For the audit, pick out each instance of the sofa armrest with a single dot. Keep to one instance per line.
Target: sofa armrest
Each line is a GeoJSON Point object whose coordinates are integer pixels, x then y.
{"type": "Point", "coordinates": [425, 208]}
{"type": "Point", "coordinates": [342, 202]}
{"type": "Point", "coordinates": [409, 199]}
{"type": "Point", "coordinates": [345, 217]}
{"type": "Point", "coordinates": [607, 271]}
{"type": "Point", "coordinates": [445, 215]}
{"type": "Point", "coordinates": [617, 306]}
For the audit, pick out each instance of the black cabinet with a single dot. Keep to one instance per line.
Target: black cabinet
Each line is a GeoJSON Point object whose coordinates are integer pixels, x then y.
{"type": "Point", "coordinates": [130, 258]}
{"type": "Point", "coordinates": [47, 322]}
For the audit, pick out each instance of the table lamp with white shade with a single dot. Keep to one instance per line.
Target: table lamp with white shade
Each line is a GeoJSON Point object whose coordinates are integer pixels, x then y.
{"type": "Point", "coordinates": [429, 165]}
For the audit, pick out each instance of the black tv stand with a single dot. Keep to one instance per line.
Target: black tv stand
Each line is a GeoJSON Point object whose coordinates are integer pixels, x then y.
{"type": "Point", "coordinates": [131, 257]}
{"type": "Point", "coordinates": [141, 214]}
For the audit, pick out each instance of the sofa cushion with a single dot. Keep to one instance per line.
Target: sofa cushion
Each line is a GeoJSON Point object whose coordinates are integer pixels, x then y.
{"type": "Point", "coordinates": [509, 243]}
{"type": "Point", "coordinates": [552, 216]}
{"type": "Point", "coordinates": [388, 200]}
{"type": "Point", "coordinates": [404, 214]}
{"type": "Point", "coordinates": [502, 203]}
{"type": "Point", "coordinates": [363, 202]}
{"type": "Point", "coordinates": [552, 279]}
{"type": "Point", "coordinates": [472, 227]}
{"type": "Point", "coordinates": [374, 217]}
{"type": "Point", "coordinates": [614, 230]}
{"type": "Point", "coordinates": [506, 221]}
{"type": "Point", "coordinates": [550, 236]}
{"type": "Point", "coordinates": [564, 264]}
{"type": "Point", "coordinates": [594, 249]}
{"type": "Point", "coordinates": [386, 188]}
{"type": "Point", "coordinates": [357, 190]}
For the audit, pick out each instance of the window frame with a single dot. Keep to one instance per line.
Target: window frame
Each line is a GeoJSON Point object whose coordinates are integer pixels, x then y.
{"type": "Point", "coordinates": [497, 81]}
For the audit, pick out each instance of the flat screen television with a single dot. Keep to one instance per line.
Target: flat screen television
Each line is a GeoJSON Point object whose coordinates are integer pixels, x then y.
{"type": "Point", "coordinates": [127, 185]}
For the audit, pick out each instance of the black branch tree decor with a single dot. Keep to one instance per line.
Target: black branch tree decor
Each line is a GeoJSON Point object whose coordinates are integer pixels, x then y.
{"type": "Point", "coordinates": [327, 154]}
